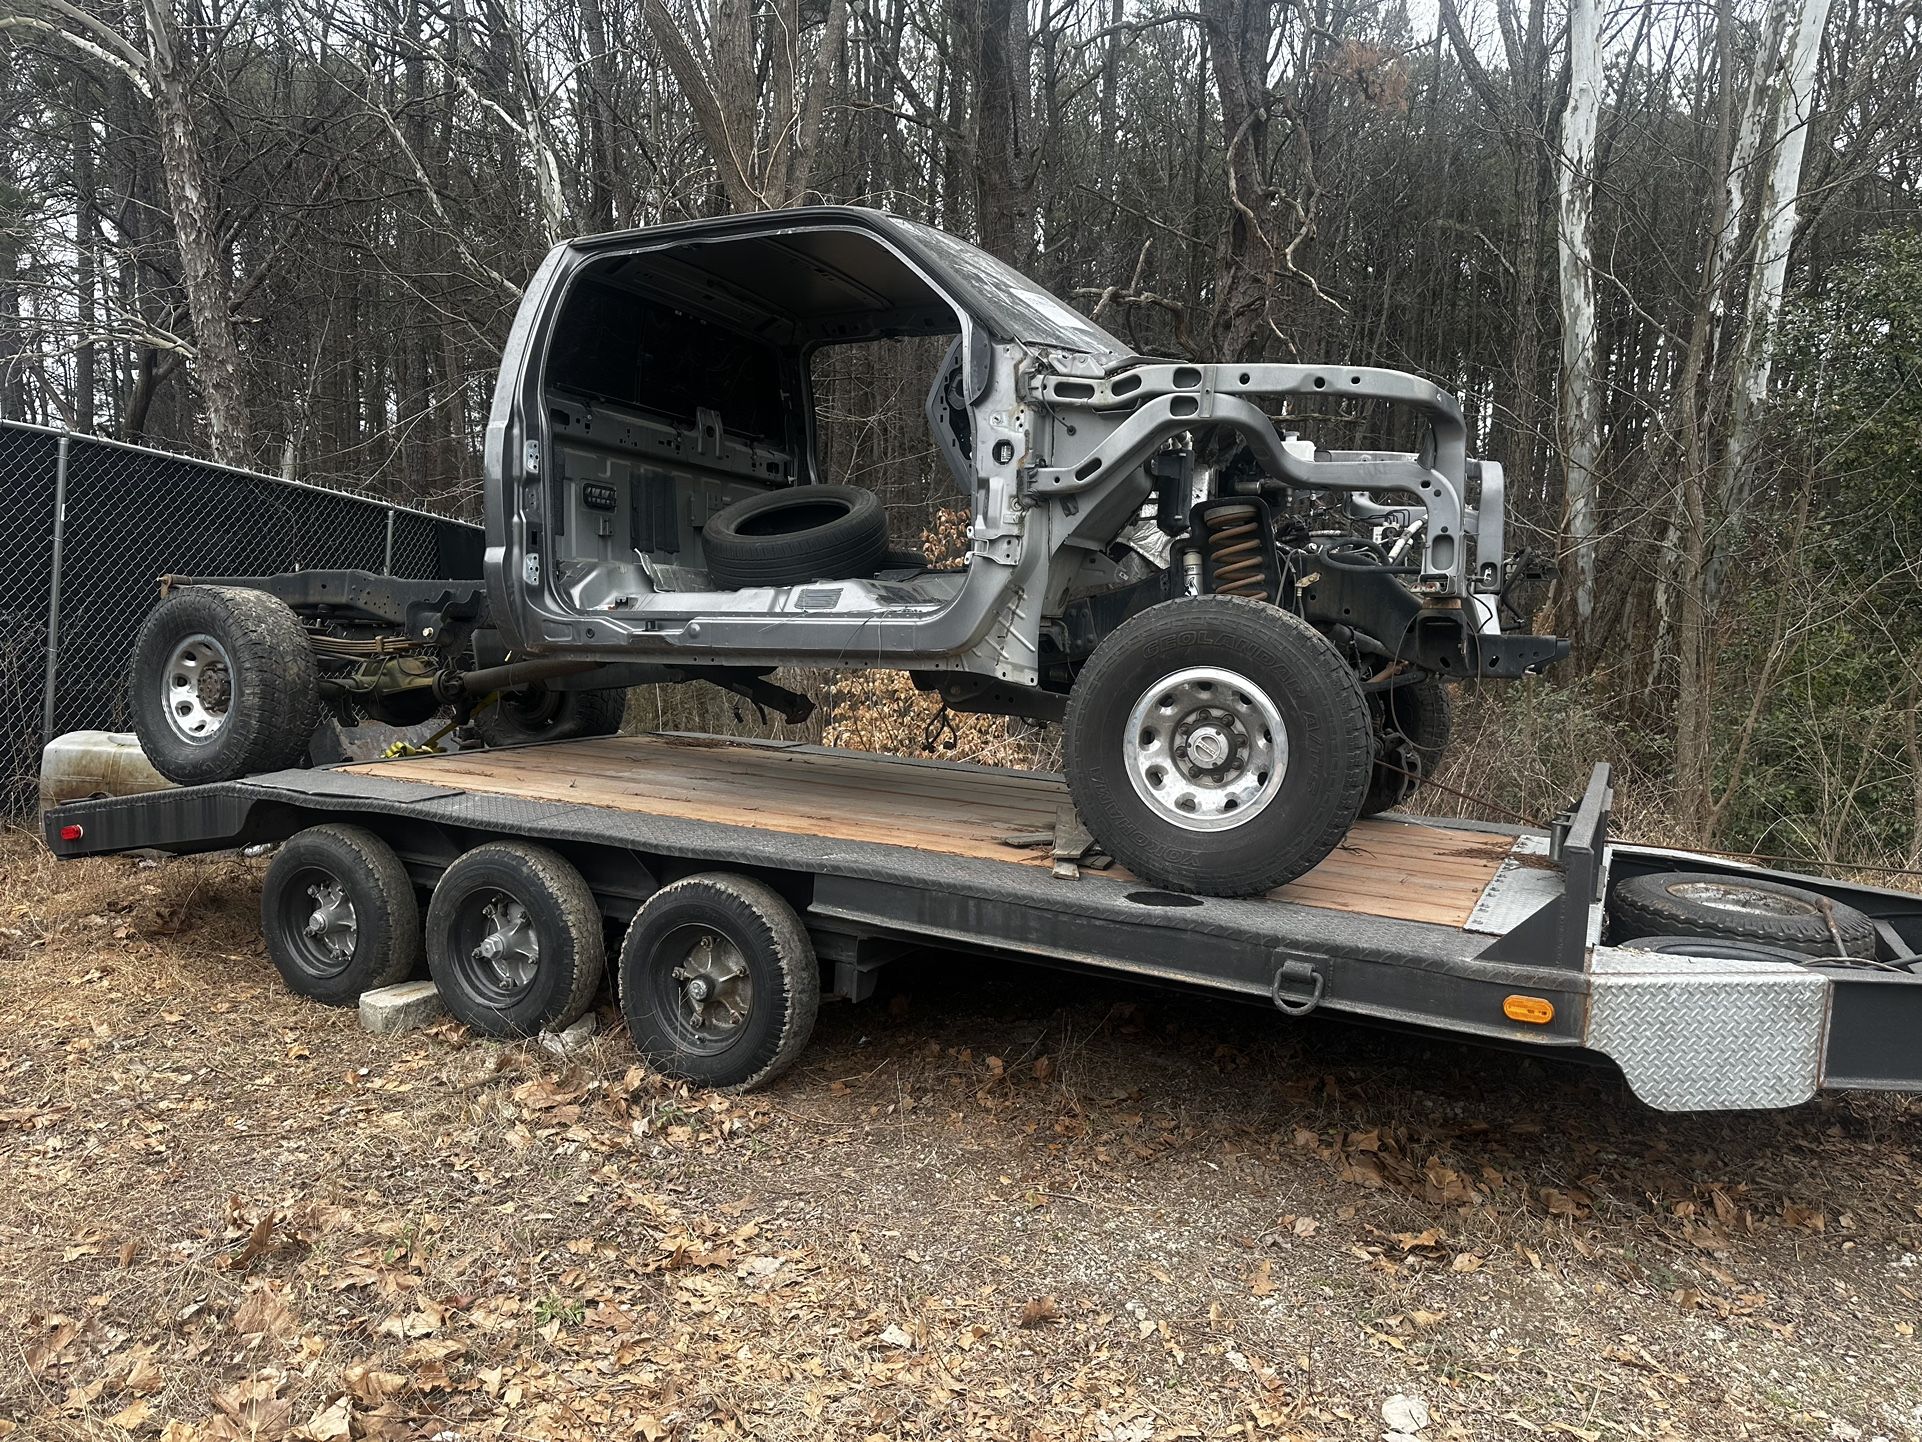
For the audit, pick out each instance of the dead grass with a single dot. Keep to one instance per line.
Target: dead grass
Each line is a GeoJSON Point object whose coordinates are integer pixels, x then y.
{"type": "Point", "coordinates": [994, 1203]}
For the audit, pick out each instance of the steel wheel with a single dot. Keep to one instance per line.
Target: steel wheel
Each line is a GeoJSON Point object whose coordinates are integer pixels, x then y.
{"type": "Point", "coordinates": [496, 948]}
{"type": "Point", "coordinates": [320, 921]}
{"type": "Point", "coordinates": [197, 688]}
{"type": "Point", "coordinates": [708, 993]}
{"type": "Point", "coordinates": [1206, 749]}
{"type": "Point", "coordinates": [339, 914]}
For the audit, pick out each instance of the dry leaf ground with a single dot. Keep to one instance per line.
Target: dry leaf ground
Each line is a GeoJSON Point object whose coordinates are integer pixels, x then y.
{"type": "Point", "coordinates": [996, 1202]}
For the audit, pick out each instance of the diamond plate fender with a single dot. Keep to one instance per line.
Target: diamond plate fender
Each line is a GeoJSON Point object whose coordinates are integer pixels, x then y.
{"type": "Point", "coordinates": [1696, 1033]}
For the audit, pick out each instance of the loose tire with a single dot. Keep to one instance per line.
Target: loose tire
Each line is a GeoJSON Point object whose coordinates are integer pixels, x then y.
{"type": "Point", "coordinates": [339, 914]}
{"type": "Point", "coordinates": [540, 713]}
{"type": "Point", "coordinates": [223, 685]}
{"type": "Point", "coordinates": [1217, 744]}
{"type": "Point", "coordinates": [719, 982]}
{"type": "Point", "coordinates": [796, 535]}
{"type": "Point", "coordinates": [514, 940]}
{"type": "Point", "coordinates": [1422, 715]}
{"type": "Point", "coordinates": [1721, 948]}
{"type": "Point", "coordinates": [1706, 904]}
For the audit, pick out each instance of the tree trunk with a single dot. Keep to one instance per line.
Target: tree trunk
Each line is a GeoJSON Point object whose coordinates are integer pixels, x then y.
{"type": "Point", "coordinates": [203, 272]}
{"type": "Point", "coordinates": [1581, 409]}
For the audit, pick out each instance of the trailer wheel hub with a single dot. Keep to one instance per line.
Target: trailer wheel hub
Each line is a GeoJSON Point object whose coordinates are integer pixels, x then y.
{"type": "Point", "coordinates": [509, 945]}
{"type": "Point", "coordinates": [716, 992]}
{"type": "Point", "coordinates": [332, 924]}
{"type": "Point", "coordinates": [1206, 749]}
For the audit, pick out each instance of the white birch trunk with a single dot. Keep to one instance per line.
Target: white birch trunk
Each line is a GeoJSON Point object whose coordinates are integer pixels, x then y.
{"type": "Point", "coordinates": [1581, 412]}
{"type": "Point", "coordinates": [1777, 209]}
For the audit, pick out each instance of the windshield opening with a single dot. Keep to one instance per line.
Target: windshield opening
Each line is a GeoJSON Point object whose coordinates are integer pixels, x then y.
{"type": "Point", "coordinates": [1015, 305]}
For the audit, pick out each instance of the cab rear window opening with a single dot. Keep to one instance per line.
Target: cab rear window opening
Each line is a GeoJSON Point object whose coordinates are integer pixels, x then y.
{"type": "Point", "coordinates": [616, 345]}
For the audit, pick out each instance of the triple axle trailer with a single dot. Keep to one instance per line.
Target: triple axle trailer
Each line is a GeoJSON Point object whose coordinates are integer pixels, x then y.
{"type": "Point", "coordinates": [724, 886]}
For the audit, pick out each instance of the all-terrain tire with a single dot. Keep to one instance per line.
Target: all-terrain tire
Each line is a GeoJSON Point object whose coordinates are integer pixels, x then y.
{"type": "Point", "coordinates": [222, 684]}
{"type": "Point", "coordinates": [776, 1011]}
{"type": "Point", "coordinates": [540, 713]}
{"type": "Point", "coordinates": [792, 536]}
{"type": "Point", "coordinates": [339, 914]}
{"type": "Point", "coordinates": [522, 993]}
{"type": "Point", "coordinates": [1423, 712]}
{"type": "Point", "coordinates": [1708, 904]}
{"type": "Point", "coordinates": [1322, 712]}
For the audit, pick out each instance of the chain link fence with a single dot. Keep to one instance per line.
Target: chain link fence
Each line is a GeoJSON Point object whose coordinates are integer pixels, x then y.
{"type": "Point", "coordinates": [90, 525]}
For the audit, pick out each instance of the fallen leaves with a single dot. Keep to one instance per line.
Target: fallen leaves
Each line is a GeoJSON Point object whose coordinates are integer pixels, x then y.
{"type": "Point", "coordinates": [1038, 1312]}
{"type": "Point", "coordinates": [251, 1410]}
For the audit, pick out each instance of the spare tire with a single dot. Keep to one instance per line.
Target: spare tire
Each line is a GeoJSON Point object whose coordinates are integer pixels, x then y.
{"type": "Point", "coordinates": [1718, 948]}
{"type": "Point", "coordinates": [1710, 904]}
{"type": "Point", "coordinates": [222, 685]}
{"type": "Point", "coordinates": [797, 535]}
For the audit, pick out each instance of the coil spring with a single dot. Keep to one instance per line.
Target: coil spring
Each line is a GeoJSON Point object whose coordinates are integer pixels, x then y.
{"type": "Point", "coordinates": [1235, 549]}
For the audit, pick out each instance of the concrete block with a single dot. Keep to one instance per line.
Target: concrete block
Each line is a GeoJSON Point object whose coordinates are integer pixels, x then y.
{"type": "Point", "coordinates": [391, 1010]}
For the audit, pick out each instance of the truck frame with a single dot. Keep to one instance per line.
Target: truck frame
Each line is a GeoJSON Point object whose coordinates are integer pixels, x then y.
{"type": "Point", "coordinates": [751, 876]}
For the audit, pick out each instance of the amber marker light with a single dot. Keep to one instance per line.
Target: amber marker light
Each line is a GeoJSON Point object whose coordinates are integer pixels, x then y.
{"type": "Point", "coordinates": [1538, 1010]}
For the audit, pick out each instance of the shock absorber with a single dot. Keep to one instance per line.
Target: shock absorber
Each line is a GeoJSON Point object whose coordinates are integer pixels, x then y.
{"type": "Point", "coordinates": [1238, 557]}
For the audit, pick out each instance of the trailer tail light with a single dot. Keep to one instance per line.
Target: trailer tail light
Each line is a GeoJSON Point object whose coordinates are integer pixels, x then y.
{"type": "Point", "coordinates": [1538, 1010]}
{"type": "Point", "coordinates": [72, 831]}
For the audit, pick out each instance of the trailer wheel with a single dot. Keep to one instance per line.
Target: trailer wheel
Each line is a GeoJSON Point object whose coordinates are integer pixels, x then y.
{"type": "Point", "coordinates": [719, 982]}
{"type": "Point", "coordinates": [1707, 904]}
{"type": "Point", "coordinates": [223, 685]}
{"type": "Point", "coordinates": [514, 940]}
{"type": "Point", "coordinates": [339, 914]}
{"type": "Point", "coordinates": [541, 713]}
{"type": "Point", "coordinates": [1218, 744]}
{"type": "Point", "coordinates": [1417, 718]}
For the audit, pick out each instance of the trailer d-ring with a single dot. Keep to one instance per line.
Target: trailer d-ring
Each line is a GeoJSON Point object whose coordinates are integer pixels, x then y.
{"type": "Point", "coordinates": [1295, 972]}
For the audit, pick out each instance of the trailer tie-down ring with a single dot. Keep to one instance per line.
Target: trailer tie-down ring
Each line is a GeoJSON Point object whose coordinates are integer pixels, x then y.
{"type": "Point", "coordinates": [1294, 972]}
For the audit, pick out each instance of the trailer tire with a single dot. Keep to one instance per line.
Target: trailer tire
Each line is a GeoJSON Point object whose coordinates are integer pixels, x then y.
{"type": "Point", "coordinates": [514, 940]}
{"type": "Point", "coordinates": [223, 685]}
{"type": "Point", "coordinates": [795, 535]}
{"type": "Point", "coordinates": [719, 982]}
{"type": "Point", "coordinates": [339, 914]}
{"type": "Point", "coordinates": [542, 713]}
{"type": "Point", "coordinates": [1257, 684]}
{"type": "Point", "coordinates": [1423, 712]}
{"type": "Point", "coordinates": [1711, 905]}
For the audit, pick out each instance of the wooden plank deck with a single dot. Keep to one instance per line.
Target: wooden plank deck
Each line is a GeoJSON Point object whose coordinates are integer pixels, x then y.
{"type": "Point", "coordinates": [1385, 868]}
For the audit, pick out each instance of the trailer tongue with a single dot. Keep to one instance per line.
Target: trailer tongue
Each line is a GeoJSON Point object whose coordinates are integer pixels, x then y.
{"type": "Point", "coordinates": [752, 871]}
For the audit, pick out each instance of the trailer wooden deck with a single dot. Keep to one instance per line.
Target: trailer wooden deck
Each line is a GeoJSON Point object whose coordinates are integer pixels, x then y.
{"type": "Point", "coordinates": [1408, 871]}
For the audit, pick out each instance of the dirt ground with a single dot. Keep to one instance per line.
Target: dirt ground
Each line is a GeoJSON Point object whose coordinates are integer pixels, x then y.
{"type": "Point", "coordinates": [994, 1202]}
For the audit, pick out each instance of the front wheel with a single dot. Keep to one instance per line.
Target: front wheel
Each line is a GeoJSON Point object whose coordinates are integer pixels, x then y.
{"type": "Point", "coordinates": [1218, 744]}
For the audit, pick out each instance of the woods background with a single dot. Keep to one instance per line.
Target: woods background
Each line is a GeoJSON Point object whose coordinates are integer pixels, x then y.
{"type": "Point", "coordinates": [1669, 257]}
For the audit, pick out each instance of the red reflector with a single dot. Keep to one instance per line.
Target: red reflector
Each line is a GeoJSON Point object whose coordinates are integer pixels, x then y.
{"type": "Point", "coordinates": [72, 831]}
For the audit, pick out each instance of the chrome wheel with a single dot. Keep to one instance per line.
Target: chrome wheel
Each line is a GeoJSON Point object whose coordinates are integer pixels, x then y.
{"type": "Point", "coordinates": [713, 993]}
{"type": "Point", "coordinates": [1206, 749]}
{"type": "Point", "coordinates": [197, 688]}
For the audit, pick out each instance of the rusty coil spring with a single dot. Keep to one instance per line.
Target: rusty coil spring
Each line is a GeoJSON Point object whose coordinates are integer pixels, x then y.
{"type": "Point", "coordinates": [1236, 550]}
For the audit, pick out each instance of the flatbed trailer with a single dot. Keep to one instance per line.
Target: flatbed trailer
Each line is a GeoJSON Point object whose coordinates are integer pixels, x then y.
{"type": "Point", "coordinates": [1486, 932]}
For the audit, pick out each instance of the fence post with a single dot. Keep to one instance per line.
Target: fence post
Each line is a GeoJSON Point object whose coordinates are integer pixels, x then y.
{"type": "Point", "coordinates": [53, 588]}
{"type": "Point", "coordinates": [387, 561]}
